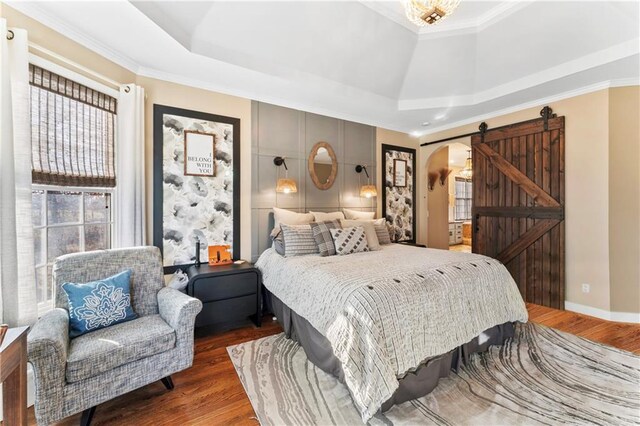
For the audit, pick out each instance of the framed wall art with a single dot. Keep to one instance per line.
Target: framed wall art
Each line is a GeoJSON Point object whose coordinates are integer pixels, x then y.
{"type": "Point", "coordinates": [196, 184]}
{"type": "Point", "coordinates": [199, 153]}
{"type": "Point", "coordinates": [399, 172]}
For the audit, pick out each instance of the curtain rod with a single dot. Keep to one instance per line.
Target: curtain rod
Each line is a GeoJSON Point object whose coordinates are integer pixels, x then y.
{"type": "Point", "coordinates": [75, 65]}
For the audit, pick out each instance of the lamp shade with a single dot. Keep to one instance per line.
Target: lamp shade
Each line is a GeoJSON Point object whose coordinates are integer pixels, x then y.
{"type": "Point", "coordinates": [286, 186]}
{"type": "Point", "coordinates": [368, 191]}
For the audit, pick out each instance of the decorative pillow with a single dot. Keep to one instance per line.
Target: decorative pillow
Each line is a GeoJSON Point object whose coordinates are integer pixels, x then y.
{"type": "Point", "coordinates": [382, 232]}
{"type": "Point", "coordinates": [289, 217]}
{"type": "Point", "coordinates": [277, 243]}
{"type": "Point", "coordinates": [323, 217]}
{"type": "Point", "coordinates": [99, 304]}
{"type": "Point", "coordinates": [298, 240]}
{"type": "Point", "coordinates": [349, 240]}
{"type": "Point", "coordinates": [357, 215]}
{"type": "Point", "coordinates": [369, 231]}
{"type": "Point", "coordinates": [322, 235]}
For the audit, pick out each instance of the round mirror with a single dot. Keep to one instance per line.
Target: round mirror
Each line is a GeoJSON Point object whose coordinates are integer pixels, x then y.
{"type": "Point", "coordinates": [323, 165]}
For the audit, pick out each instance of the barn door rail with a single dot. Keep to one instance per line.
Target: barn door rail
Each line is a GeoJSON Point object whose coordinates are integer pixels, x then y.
{"type": "Point", "coordinates": [546, 113]}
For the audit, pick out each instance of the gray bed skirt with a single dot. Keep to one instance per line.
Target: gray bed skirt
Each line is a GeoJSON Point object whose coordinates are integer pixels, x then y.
{"type": "Point", "coordinates": [414, 384]}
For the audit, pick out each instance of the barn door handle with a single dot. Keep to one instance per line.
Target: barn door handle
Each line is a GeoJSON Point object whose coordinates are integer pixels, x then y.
{"type": "Point", "coordinates": [477, 228]}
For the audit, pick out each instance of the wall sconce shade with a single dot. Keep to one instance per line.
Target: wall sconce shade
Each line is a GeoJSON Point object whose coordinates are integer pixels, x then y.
{"type": "Point", "coordinates": [368, 190]}
{"type": "Point", "coordinates": [284, 185]}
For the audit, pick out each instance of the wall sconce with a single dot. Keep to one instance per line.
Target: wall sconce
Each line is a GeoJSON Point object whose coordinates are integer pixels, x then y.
{"type": "Point", "coordinates": [432, 177]}
{"type": "Point", "coordinates": [444, 174]}
{"type": "Point", "coordinates": [284, 185]}
{"type": "Point", "coordinates": [368, 190]}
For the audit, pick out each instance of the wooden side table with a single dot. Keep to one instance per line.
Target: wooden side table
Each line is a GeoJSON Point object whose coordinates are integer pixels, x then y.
{"type": "Point", "coordinates": [13, 375]}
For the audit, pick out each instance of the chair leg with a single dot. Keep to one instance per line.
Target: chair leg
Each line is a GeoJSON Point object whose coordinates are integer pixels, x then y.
{"type": "Point", "coordinates": [167, 382]}
{"type": "Point", "coordinates": [87, 416]}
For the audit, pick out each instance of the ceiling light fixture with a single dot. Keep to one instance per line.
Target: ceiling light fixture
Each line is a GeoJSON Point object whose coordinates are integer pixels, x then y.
{"type": "Point", "coordinates": [467, 172]}
{"type": "Point", "coordinates": [428, 12]}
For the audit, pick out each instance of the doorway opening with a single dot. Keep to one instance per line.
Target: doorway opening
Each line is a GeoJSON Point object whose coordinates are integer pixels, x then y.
{"type": "Point", "coordinates": [460, 197]}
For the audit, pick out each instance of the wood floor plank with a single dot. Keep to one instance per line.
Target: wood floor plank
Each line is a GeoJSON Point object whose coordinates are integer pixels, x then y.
{"type": "Point", "coordinates": [210, 393]}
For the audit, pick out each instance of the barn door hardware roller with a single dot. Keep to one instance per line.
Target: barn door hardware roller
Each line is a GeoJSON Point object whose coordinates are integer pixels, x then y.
{"type": "Point", "coordinates": [546, 113]}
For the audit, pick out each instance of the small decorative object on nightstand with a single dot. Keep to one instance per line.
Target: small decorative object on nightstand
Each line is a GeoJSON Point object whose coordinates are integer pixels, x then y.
{"type": "Point", "coordinates": [229, 293]}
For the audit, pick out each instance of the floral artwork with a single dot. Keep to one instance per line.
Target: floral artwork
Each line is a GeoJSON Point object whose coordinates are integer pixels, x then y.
{"type": "Point", "coordinates": [399, 199]}
{"type": "Point", "coordinates": [195, 206]}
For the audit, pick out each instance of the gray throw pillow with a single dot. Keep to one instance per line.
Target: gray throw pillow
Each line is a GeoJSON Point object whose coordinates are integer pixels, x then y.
{"type": "Point", "coordinates": [278, 243]}
{"type": "Point", "coordinates": [298, 240]}
{"type": "Point", "coordinates": [383, 233]}
{"type": "Point", "coordinates": [350, 240]}
{"type": "Point", "coordinates": [322, 236]}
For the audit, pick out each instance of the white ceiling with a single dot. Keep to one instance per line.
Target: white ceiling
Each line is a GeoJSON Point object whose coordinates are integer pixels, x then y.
{"type": "Point", "coordinates": [364, 61]}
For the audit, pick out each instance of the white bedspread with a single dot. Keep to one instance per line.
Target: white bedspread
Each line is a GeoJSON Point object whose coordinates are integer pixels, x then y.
{"type": "Point", "coordinates": [386, 311]}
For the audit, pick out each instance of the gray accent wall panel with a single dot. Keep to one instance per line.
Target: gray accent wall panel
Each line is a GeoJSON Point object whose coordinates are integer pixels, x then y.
{"type": "Point", "coordinates": [279, 131]}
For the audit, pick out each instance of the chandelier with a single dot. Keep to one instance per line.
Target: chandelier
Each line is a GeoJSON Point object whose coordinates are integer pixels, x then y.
{"type": "Point", "coordinates": [427, 12]}
{"type": "Point", "coordinates": [467, 172]}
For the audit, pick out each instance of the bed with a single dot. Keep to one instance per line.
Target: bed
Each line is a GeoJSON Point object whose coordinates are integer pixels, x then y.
{"type": "Point", "coordinates": [390, 323]}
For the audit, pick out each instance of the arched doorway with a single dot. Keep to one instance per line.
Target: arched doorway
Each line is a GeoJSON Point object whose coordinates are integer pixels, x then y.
{"type": "Point", "coordinates": [448, 198]}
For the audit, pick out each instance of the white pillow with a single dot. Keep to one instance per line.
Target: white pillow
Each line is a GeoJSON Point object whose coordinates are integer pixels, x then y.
{"type": "Point", "coordinates": [357, 215]}
{"type": "Point", "coordinates": [289, 218]}
{"type": "Point", "coordinates": [325, 217]}
{"type": "Point", "coordinates": [369, 231]}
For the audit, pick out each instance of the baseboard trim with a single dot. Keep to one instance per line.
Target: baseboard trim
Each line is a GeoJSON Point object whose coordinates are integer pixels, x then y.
{"type": "Point", "coordinates": [603, 314]}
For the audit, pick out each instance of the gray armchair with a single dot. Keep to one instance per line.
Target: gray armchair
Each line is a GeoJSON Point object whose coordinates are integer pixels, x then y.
{"type": "Point", "coordinates": [74, 375]}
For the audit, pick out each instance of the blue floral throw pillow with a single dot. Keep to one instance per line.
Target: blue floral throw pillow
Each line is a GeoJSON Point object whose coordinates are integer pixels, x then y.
{"type": "Point", "coordinates": [99, 304]}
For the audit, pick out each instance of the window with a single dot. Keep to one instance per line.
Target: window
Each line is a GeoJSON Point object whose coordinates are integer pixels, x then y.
{"type": "Point", "coordinates": [73, 149]}
{"type": "Point", "coordinates": [67, 220]}
{"type": "Point", "coordinates": [463, 199]}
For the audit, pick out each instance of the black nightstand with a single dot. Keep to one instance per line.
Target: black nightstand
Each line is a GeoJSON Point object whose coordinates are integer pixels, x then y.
{"type": "Point", "coordinates": [229, 294]}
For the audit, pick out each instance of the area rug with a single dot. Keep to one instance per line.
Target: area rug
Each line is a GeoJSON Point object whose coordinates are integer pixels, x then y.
{"type": "Point", "coordinates": [542, 376]}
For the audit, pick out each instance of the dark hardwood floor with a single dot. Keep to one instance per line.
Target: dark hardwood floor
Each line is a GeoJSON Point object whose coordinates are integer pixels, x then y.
{"type": "Point", "coordinates": [210, 392]}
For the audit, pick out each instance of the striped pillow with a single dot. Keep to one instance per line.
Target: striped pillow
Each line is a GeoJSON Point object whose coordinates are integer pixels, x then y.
{"type": "Point", "coordinates": [350, 240]}
{"type": "Point", "coordinates": [322, 235]}
{"type": "Point", "coordinates": [383, 233]}
{"type": "Point", "coordinates": [298, 240]}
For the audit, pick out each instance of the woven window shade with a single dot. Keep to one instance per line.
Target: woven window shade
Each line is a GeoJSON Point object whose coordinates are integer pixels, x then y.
{"type": "Point", "coordinates": [72, 132]}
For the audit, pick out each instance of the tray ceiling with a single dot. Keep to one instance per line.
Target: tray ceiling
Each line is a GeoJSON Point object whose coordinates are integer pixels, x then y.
{"type": "Point", "coordinates": [359, 60]}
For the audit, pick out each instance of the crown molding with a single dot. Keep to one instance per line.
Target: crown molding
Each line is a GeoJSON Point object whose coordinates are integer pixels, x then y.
{"type": "Point", "coordinates": [607, 84]}
{"type": "Point", "coordinates": [592, 60]}
{"type": "Point", "coordinates": [250, 95]}
{"type": "Point", "coordinates": [33, 11]}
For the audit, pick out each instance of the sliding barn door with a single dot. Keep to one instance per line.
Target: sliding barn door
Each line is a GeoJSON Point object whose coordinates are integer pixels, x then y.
{"type": "Point", "coordinates": [518, 204]}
